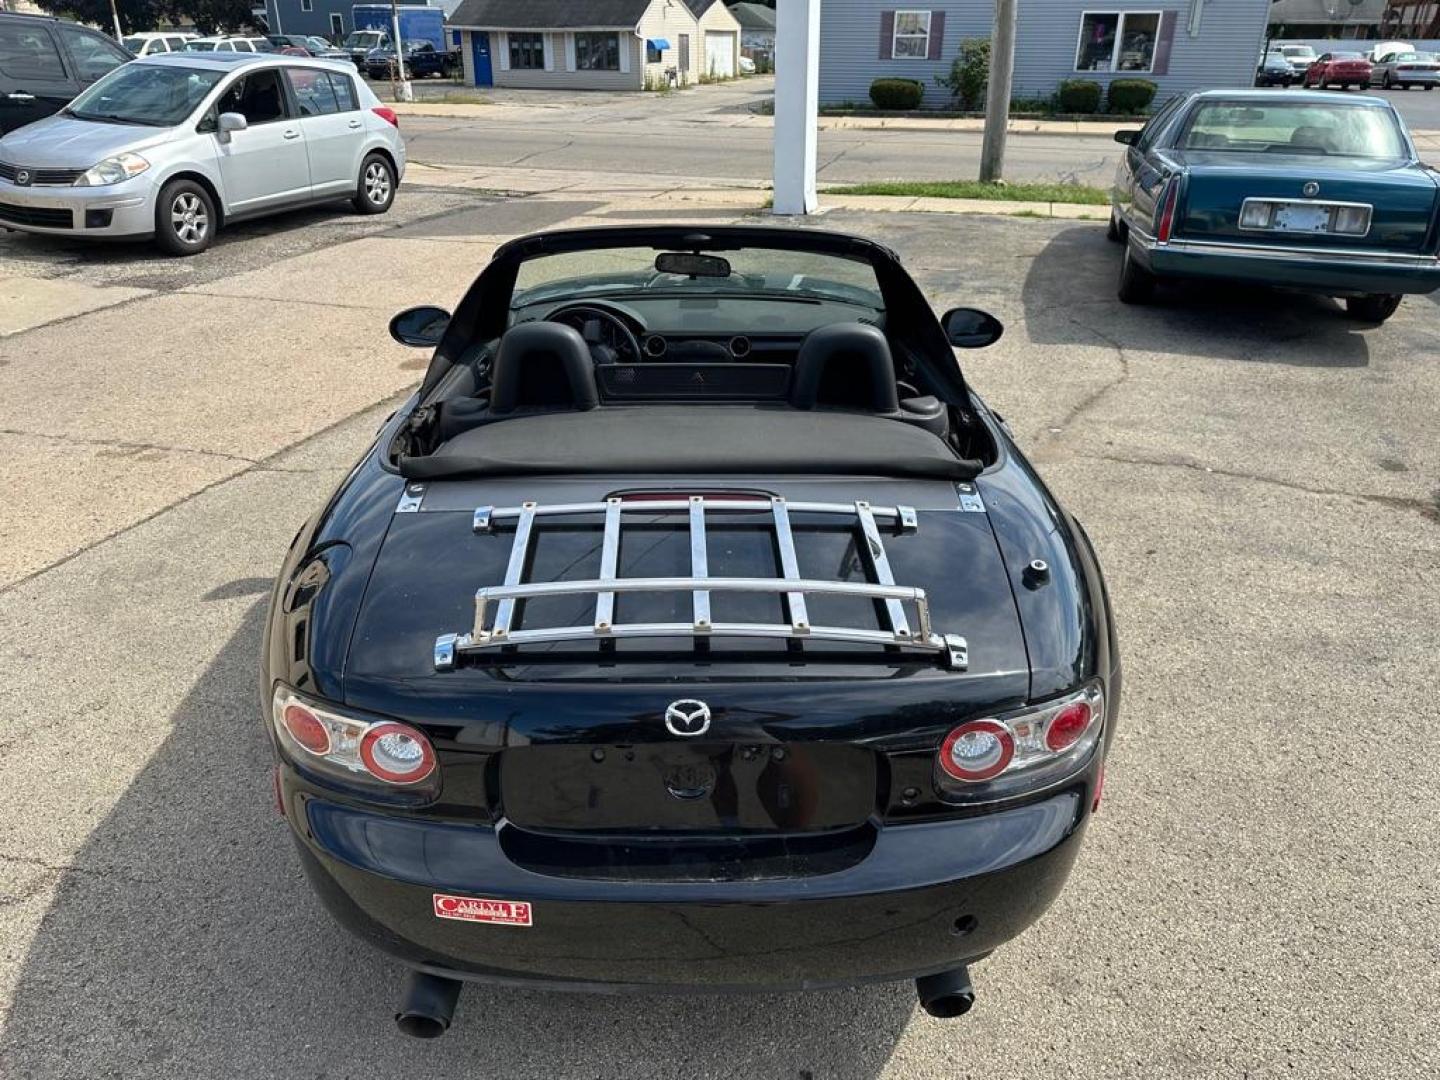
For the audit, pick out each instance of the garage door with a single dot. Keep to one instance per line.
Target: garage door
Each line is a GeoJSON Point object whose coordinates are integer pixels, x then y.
{"type": "Point", "coordinates": [720, 55]}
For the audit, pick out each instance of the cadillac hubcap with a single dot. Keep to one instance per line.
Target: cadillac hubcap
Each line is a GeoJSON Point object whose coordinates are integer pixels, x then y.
{"type": "Point", "coordinates": [188, 218]}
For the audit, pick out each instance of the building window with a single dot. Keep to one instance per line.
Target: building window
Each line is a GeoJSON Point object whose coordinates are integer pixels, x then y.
{"type": "Point", "coordinates": [912, 35]}
{"type": "Point", "coordinates": [653, 55]}
{"type": "Point", "coordinates": [1117, 41]}
{"type": "Point", "coordinates": [527, 52]}
{"type": "Point", "coordinates": [597, 52]}
{"type": "Point", "coordinates": [337, 24]}
{"type": "Point", "coordinates": [307, 5]}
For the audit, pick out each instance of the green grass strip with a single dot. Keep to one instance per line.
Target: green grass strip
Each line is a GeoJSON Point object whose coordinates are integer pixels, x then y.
{"type": "Point", "coordinates": [974, 189]}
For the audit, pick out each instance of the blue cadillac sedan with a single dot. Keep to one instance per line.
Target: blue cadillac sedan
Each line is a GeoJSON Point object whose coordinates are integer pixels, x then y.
{"type": "Point", "coordinates": [1297, 189]}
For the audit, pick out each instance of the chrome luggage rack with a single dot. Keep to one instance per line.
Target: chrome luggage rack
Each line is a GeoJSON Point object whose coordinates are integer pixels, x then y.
{"type": "Point", "coordinates": [896, 631]}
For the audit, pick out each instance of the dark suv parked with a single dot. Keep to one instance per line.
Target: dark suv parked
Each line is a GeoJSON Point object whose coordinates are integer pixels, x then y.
{"type": "Point", "coordinates": [44, 62]}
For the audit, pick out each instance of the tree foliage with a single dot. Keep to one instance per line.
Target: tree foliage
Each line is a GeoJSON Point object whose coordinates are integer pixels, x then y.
{"type": "Point", "coordinates": [209, 16]}
{"type": "Point", "coordinates": [969, 73]}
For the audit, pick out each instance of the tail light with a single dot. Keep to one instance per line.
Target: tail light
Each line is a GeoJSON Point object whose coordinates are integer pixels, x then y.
{"type": "Point", "coordinates": [1166, 224]}
{"type": "Point", "coordinates": [1023, 751]}
{"type": "Point", "coordinates": [387, 114]}
{"type": "Point", "coordinates": [351, 748]}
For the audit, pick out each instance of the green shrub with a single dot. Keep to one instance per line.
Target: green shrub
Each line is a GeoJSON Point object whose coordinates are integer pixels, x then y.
{"type": "Point", "coordinates": [1130, 95]}
{"type": "Point", "coordinates": [969, 72]}
{"type": "Point", "coordinates": [1032, 105]}
{"type": "Point", "coordinates": [896, 93]}
{"type": "Point", "coordinates": [1078, 96]}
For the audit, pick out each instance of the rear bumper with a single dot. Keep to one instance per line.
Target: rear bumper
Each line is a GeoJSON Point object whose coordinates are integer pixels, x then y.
{"type": "Point", "coordinates": [1330, 271]}
{"type": "Point", "coordinates": [928, 897]}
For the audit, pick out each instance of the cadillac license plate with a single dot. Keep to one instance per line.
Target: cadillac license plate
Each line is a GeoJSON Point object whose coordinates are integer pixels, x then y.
{"type": "Point", "coordinates": [1310, 219]}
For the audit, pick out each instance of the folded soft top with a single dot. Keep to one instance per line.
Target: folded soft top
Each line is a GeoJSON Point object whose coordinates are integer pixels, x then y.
{"type": "Point", "coordinates": [694, 439]}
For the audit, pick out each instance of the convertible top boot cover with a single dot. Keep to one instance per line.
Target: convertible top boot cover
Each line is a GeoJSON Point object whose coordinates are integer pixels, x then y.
{"type": "Point", "coordinates": [695, 440]}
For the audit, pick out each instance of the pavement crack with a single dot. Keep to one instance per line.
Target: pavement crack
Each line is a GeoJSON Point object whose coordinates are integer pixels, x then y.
{"type": "Point", "coordinates": [1428, 508]}
{"type": "Point", "coordinates": [1092, 399]}
{"type": "Point", "coordinates": [265, 464]}
{"type": "Point", "coordinates": [125, 444]}
{"type": "Point", "coordinates": [536, 153]}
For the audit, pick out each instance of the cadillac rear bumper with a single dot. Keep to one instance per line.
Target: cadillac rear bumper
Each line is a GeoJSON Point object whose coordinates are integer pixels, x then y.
{"type": "Point", "coordinates": [1334, 271]}
{"type": "Point", "coordinates": [926, 898]}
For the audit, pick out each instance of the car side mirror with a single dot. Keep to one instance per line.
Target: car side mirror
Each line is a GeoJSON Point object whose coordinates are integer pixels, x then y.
{"type": "Point", "coordinates": [423, 326]}
{"type": "Point", "coordinates": [971, 328]}
{"type": "Point", "coordinates": [1128, 138]}
{"type": "Point", "coordinates": [230, 122]}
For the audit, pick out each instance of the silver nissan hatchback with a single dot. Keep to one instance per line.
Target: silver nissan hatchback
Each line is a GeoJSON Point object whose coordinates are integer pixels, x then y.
{"type": "Point", "coordinates": [175, 146]}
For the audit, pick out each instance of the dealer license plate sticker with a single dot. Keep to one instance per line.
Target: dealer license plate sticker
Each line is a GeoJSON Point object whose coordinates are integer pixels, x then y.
{"type": "Point", "coordinates": [1302, 219]}
{"type": "Point", "coordinates": [478, 909]}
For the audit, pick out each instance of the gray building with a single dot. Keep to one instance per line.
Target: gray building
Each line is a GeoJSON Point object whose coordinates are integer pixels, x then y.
{"type": "Point", "coordinates": [1178, 44]}
{"type": "Point", "coordinates": [757, 30]}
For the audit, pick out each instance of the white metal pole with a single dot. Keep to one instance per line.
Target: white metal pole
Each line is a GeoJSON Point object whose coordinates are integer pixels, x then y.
{"type": "Point", "coordinates": [115, 17]}
{"type": "Point", "coordinates": [997, 95]}
{"type": "Point", "coordinates": [277, 28]}
{"type": "Point", "coordinates": [797, 102]}
{"type": "Point", "coordinates": [403, 91]}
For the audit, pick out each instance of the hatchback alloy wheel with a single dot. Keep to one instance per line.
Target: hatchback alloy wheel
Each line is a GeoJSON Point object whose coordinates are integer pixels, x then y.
{"type": "Point", "coordinates": [190, 220]}
{"type": "Point", "coordinates": [377, 183]}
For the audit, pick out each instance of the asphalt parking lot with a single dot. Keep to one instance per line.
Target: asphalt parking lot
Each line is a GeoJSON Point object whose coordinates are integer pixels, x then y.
{"type": "Point", "coordinates": [1261, 477]}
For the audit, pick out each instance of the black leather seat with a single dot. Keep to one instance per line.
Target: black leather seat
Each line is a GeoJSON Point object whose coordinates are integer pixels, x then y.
{"type": "Point", "coordinates": [845, 366]}
{"type": "Point", "coordinates": [542, 365]}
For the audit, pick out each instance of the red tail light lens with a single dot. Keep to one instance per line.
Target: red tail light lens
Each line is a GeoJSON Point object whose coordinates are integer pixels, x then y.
{"type": "Point", "coordinates": [387, 114]}
{"type": "Point", "coordinates": [397, 754]}
{"type": "Point", "coordinates": [353, 749]}
{"type": "Point", "coordinates": [977, 751]}
{"type": "Point", "coordinates": [1167, 212]}
{"type": "Point", "coordinates": [306, 729]}
{"type": "Point", "coordinates": [1022, 751]}
{"type": "Point", "coordinates": [1066, 726]}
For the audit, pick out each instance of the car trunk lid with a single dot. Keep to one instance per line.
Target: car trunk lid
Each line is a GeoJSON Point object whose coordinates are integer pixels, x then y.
{"type": "Point", "coordinates": [793, 732]}
{"type": "Point", "coordinates": [1402, 198]}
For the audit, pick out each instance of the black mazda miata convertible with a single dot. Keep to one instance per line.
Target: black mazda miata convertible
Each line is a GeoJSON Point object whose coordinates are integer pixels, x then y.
{"type": "Point", "coordinates": [694, 626]}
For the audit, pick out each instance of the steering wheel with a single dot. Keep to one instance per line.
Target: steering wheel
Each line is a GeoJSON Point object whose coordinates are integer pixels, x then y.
{"type": "Point", "coordinates": [611, 341]}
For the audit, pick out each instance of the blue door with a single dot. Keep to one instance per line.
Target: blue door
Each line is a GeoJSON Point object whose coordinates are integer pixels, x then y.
{"type": "Point", "coordinates": [480, 47]}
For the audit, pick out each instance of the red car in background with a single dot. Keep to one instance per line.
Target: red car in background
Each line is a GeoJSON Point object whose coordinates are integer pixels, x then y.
{"type": "Point", "coordinates": [1342, 69]}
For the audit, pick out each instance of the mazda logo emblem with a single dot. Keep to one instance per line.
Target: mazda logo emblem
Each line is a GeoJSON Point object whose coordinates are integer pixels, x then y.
{"type": "Point", "coordinates": [1310, 190]}
{"type": "Point", "coordinates": [687, 718]}
{"type": "Point", "coordinates": [22, 177]}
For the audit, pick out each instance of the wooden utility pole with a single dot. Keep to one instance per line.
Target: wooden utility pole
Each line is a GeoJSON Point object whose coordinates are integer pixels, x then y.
{"type": "Point", "coordinates": [997, 93]}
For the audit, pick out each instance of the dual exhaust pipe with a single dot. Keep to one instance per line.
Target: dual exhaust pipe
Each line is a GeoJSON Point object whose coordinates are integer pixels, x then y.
{"type": "Point", "coordinates": [428, 1003]}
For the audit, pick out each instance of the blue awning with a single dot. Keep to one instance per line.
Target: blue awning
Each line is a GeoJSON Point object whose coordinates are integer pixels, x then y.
{"type": "Point", "coordinates": [658, 43]}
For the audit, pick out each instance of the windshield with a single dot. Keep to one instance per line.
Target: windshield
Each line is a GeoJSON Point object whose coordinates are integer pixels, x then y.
{"type": "Point", "coordinates": [1363, 131]}
{"type": "Point", "coordinates": [200, 46]}
{"type": "Point", "coordinates": [153, 94]}
{"type": "Point", "coordinates": [761, 273]}
{"type": "Point", "coordinates": [1299, 52]}
{"type": "Point", "coordinates": [1402, 58]}
{"type": "Point", "coordinates": [134, 44]}
{"type": "Point", "coordinates": [361, 38]}
{"type": "Point", "coordinates": [315, 44]}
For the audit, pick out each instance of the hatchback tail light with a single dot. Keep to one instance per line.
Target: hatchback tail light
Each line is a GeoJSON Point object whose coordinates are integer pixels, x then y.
{"type": "Point", "coordinates": [387, 114]}
{"type": "Point", "coordinates": [1020, 752]}
{"type": "Point", "coordinates": [351, 748]}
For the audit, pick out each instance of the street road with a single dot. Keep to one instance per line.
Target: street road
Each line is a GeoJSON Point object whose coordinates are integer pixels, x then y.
{"type": "Point", "coordinates": [715, 133]}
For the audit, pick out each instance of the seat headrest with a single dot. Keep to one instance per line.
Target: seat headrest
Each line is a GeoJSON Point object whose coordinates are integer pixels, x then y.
{"type": "Point", "coordinates": [542, 365]}
{"type": "Point", "coordinates": [846, 365]}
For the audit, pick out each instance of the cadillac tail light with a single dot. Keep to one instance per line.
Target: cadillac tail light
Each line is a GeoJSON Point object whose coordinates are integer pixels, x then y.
{"type": "Point", "coordinates": [1166, 224]}
{"type": "Point", "coordinates": [350, 748]}
{"type": "Point", "coordinates": [1019, 752]}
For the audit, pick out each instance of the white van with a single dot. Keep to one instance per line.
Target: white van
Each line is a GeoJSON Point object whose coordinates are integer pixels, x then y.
{"type": "Point", "coordinates": [1383, 49]}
